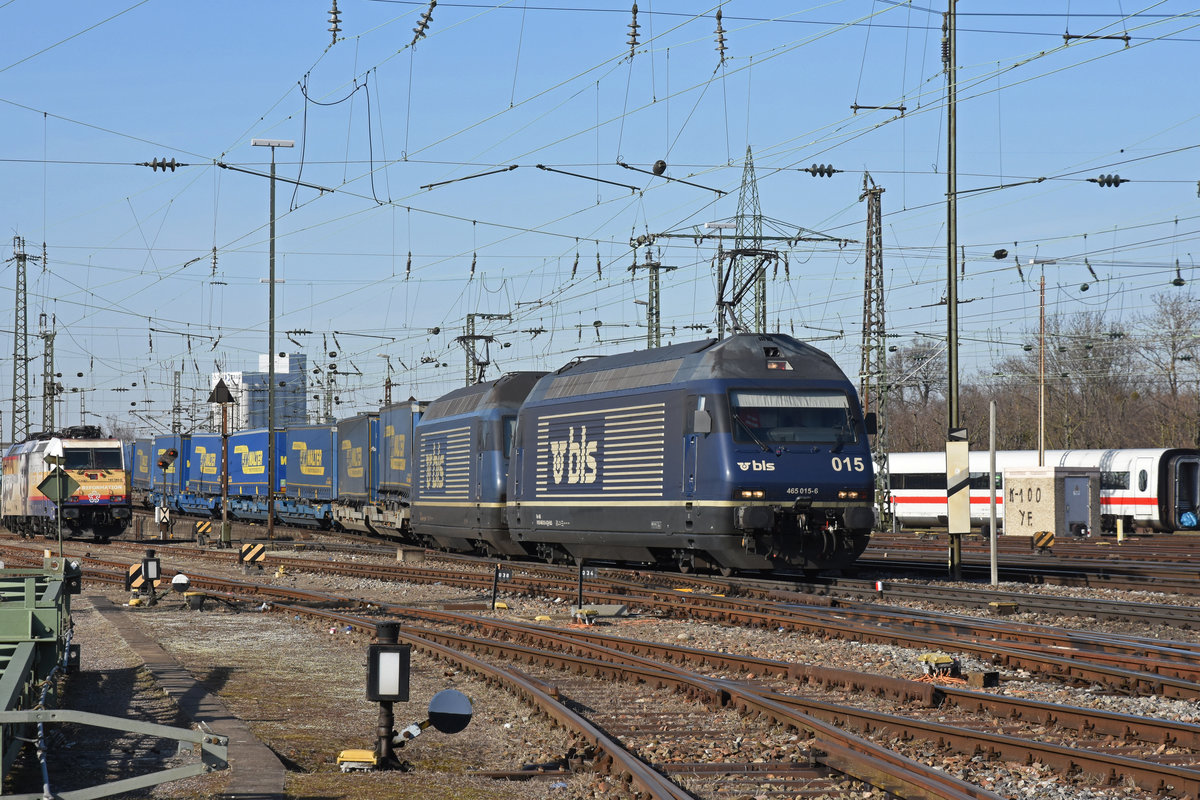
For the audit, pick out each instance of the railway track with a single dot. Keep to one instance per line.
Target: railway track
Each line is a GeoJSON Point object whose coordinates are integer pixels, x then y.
{"type": "Point", "coordinates": [1159, 755]}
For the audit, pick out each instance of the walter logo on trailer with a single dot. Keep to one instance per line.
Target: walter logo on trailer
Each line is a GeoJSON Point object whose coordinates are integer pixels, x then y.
{"type": "Point", "coordinates": [574, 460]}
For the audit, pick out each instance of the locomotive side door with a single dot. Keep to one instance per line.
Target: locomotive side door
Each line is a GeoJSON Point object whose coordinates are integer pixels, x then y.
{"type": "Point", "coordinates": [697, 422]}
{"type": "Point", "coordinates": [1146, 485]}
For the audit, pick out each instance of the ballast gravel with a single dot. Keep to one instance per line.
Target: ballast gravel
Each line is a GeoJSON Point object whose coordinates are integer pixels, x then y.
{"type": "Point", "coordinates": [300, 685]}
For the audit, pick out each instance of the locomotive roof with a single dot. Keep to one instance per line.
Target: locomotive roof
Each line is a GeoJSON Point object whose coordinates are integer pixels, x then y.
{"type": "Point", "coordinates": [742, 355]}
{"type": "Point", "coordinates": [507, 391]}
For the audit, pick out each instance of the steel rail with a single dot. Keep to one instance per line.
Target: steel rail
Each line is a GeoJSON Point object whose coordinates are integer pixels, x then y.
{"type": "Point", "coordinates": [1150, 775]}
{"type": "Point", "coordinates": [1054, 659]}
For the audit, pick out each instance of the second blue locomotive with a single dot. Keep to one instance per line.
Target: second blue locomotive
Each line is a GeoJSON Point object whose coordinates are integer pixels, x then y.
{"type": "Point", "coordinates": [745, 453]}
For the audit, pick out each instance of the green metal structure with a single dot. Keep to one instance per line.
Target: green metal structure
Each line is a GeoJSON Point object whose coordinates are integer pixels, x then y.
{"type": "Point", "coordinates": [35, 650]}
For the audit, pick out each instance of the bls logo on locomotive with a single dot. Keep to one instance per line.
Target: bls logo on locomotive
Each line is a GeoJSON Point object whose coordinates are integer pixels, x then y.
{"type": "Point", "coordinates": [577, 459]}
{"type": "Point", "coordinates": [435, 467]}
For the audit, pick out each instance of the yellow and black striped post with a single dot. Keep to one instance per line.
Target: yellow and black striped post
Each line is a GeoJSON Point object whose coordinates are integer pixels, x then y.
{"type": "Point", "coordinates": [252, 554]}
{"type": "Point", "coordinates": [1043, 540]}
{"type": "Point", "coordinates": [203, 531]}
{"type": "Point", "coordinates": [133, 579]}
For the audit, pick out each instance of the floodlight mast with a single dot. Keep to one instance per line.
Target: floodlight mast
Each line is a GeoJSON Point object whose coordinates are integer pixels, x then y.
{"type": "Point", "coordinates": [271, 143]}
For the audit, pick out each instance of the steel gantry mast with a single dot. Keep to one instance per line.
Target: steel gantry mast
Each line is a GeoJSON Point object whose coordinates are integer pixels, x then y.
{"type": "Point", "coordinates": [177, 405]}
{"type": "Point", "coordinates": [873, 388]}
{"type": "Point", "coordinates": [49, 385]}
{"type": "Point", "coordinates": [477, 363]}
{"type": "Point", "coordinates": [653, 299]}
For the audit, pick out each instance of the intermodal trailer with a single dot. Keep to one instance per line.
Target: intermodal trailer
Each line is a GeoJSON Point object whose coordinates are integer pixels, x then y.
{"type": "Point", "coordinates": [463, 445]}
{"type": "Point", "coordinates": [248, 473]}
{"type": "Point", "coordinates": [311, 485]}
{"type": "Point", "coordinates": [140, 474]}
{"type": "Point", "coordinates": [397, 423]}
{"type": "Point", "coordinates": [201, 493]}
{"type": "Point", "coordinates": [358, 468]}
{"type": "Point", "coordinates": [746, 453]}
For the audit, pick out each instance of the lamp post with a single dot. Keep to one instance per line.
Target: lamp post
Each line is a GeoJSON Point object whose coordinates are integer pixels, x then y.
{"type": "Point", "coordinates": [271, 143]}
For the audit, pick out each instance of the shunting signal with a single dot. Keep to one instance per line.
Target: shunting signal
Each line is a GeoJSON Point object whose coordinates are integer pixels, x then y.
{"type": "Point", "coordinates": [167, 458]}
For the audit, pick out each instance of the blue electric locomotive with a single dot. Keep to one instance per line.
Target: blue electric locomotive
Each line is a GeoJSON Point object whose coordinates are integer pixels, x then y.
{"type": "Point", "coordinates": [744, 453]}
{"type": "Point", "coordinates": [462, 449]}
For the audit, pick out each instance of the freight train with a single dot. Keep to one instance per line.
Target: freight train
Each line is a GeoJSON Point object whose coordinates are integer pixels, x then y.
{"type": "Point", "coordinates": [100, 505]}
{"type": "Point", "coordinates": [746, 453]}
{"type": "Point", "coordinates": [1152, 489]}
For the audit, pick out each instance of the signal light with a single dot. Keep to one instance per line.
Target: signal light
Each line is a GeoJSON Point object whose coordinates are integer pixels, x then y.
{"type": "Point", "coordinates": [167, 458]}
{"type": "Point", "coordinates": [1109, 180]}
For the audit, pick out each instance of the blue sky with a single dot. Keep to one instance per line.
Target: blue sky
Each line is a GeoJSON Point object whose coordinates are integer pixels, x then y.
{"type": "Point", "coordinates": [89, 90]}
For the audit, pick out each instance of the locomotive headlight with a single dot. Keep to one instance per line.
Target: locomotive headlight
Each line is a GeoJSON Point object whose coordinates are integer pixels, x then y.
{"type": "Point", "coordinates": [751, 494]}
{"type": "Point", "coordinates": [851, 494]}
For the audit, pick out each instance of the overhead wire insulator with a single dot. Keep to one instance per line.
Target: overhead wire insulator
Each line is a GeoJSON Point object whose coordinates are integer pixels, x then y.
{"type": "Point", "coordinates": [820, 170]}
{"type": "Point", "coordinates": [1109, 180]}
{"type": "Point", "coordinates": [423, 23]}
{"type": "Point", "coordinates": [946, 40]}
{"type": "Point", "coordinates": [633, 32]}
{"type": "Point", "coordinates": [334, 20]}
{"type": "Point", "coordinates": [720, 32]}
{"type": "Point", "coordinates": [163, 164]}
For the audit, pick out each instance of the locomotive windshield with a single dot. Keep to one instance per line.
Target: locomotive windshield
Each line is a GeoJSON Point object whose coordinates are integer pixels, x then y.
{"type": "Point", "coordinates": [92, 458]}
{"type": "Point", "coordinates": [791, 417]}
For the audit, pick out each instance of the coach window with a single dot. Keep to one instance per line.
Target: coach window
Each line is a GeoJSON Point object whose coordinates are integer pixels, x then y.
{"type": "Point", "coordinates": [1142, 480]}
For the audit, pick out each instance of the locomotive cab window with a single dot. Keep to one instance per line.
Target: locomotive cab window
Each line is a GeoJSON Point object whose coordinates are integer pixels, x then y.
{"type": "Point", "coordinates": [92, 458]}
{"type": "Point", "coordinates": [510, 434]}
{"type": "Point", "coordinates": [791, 417]}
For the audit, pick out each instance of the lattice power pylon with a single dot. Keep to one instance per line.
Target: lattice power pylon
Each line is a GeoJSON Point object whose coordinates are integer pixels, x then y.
{"type": "Point", "coordinates": [873, 389]}
{"type": "Point", "coordinates": [742, 283]}
{"type": "Point", "coordinates": [20, 397]}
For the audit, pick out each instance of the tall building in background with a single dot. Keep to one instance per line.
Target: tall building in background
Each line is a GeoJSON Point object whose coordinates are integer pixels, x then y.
{"type": "Point", "coordinates": [249, 390]}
